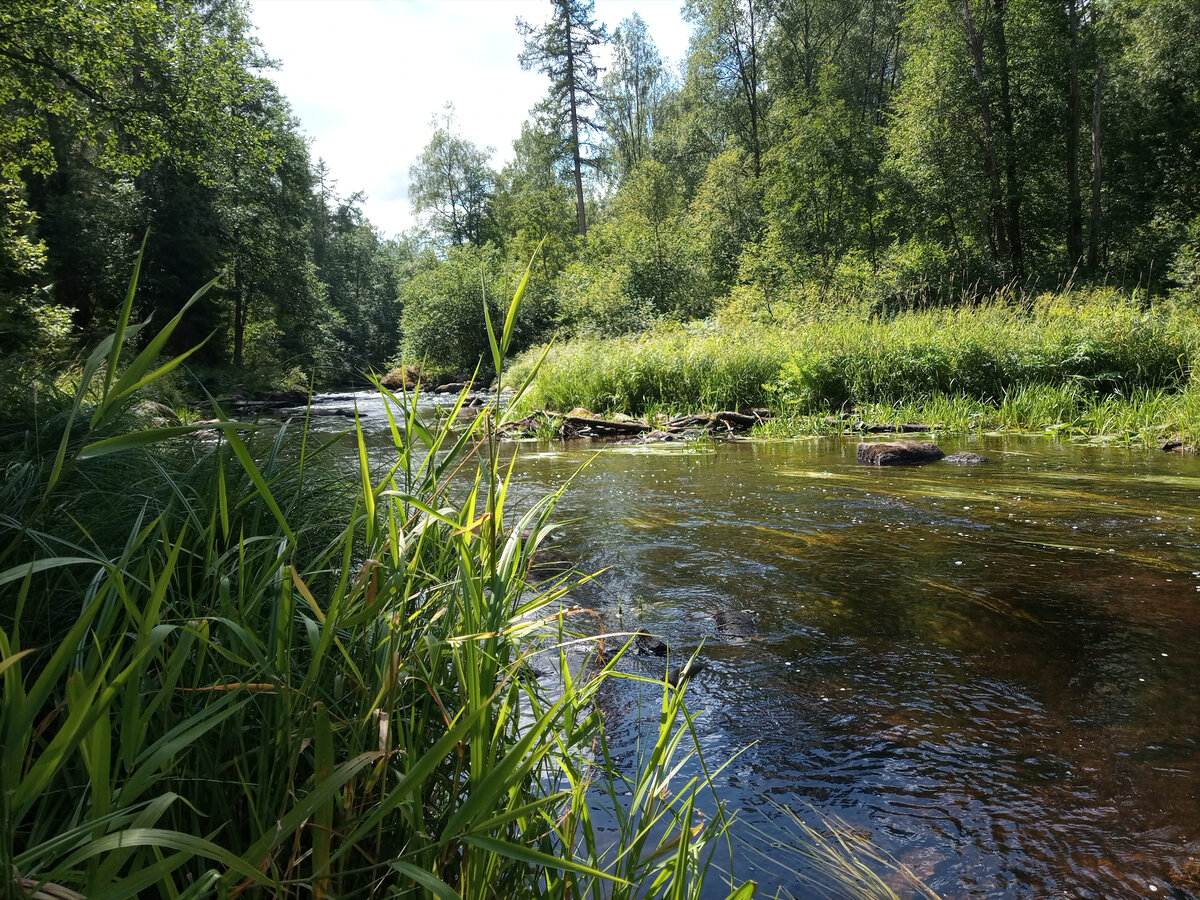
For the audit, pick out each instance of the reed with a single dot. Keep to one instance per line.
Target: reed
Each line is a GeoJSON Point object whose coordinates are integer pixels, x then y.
{"type": "Point", "coordinates": [259, 675]}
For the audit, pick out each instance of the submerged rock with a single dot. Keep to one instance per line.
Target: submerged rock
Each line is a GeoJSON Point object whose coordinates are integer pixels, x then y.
{"type": "Point", "coordinates": [1186, 879]}
{"type": "Point", "coordinates": [547, 563]}
{"type": "Point", "coordinates": [660, 436]}
{"type": "Point", "coordinates": [898, 453]}
{"type": "Point", "coordinates": [736, 625]}
{"type": "Point", "coordinates": [647, 644]}
{"type": "Point", "coordinates": [680, 674]}
{"type": "Point", "coordinates": [965, 458]}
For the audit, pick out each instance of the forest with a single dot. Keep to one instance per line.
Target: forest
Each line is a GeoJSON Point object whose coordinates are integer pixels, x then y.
{"type": "Point", "coordinates": [808, 154]}
{"type": "Point", "coordinates": [245, 652]}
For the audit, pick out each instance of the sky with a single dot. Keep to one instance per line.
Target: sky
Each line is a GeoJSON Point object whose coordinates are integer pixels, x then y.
{"type": "Point", "coordinates": [365, 78]}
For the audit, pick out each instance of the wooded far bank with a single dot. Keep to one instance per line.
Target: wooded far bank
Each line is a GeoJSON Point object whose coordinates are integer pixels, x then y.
{"type": "Point", "coordinates": [807, 154]}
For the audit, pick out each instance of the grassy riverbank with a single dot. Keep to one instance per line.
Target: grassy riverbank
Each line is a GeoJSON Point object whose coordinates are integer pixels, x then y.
{"type": "Point", "coordinates": [1098, 363]}
{"type": "Point", "coordinates": [247, 662]}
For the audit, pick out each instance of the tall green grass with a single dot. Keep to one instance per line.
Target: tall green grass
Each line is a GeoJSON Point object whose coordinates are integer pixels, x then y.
{"type": "Point", "coordinates": [1098, 362]}
{"type": "Point", "coordinates": [269, 679]}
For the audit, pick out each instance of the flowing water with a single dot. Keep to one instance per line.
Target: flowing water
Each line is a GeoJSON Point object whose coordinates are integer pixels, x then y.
{"type": "Point", "coordinates": [993, 671]}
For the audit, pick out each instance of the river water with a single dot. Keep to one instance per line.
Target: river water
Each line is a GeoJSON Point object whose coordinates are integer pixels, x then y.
{"type": "Point", "coordinates": [991, 671]}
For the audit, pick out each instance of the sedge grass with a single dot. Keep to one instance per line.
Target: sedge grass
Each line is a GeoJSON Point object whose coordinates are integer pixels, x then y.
{"type": "Point", "coordinates": [235, 684]}
{"type": "Point", "coordinates": [1084, 363]}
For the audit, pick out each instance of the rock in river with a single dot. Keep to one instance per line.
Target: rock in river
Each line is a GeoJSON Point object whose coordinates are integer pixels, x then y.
{"type": "Point", "coordinates": [965, 458]}
{"type": "Point", "coordinates": [680, 674]}
{"type": "Point", "coordinates": [898, 453]}
{"type": "Point", "coordinates": [736, 625]}
{"type": "Point", "coordinates": [646, 644]}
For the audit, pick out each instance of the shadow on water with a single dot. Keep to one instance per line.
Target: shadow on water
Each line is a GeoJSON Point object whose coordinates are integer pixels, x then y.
{"type": "Point", "coordinates": [991, 671]}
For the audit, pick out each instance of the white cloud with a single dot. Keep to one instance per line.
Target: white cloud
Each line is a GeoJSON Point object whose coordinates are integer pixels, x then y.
{"type": "Point", "coordinates": [366, 76]}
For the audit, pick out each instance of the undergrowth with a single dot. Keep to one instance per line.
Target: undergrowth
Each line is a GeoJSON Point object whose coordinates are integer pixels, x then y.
{"type": "Point", "coordinates": [1094, 363]}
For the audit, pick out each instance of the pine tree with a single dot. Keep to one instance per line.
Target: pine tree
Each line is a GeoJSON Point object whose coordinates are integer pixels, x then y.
{"type": "Point", "coordinates": [562, 49]}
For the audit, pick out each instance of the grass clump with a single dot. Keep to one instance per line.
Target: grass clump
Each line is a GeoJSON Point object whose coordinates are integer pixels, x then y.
{"type": "Point", "coordinates": [1096, 363]}
{"type": "Point", "coordinates": [259, 675]}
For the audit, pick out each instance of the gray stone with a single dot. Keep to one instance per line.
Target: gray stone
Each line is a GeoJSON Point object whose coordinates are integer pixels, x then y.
{"type": "Point", "coordinates": [646, 644]}
{"type": "Point", "coordinates": [680, 674]}
{"type": "Point", "coordinates": [736, 625]}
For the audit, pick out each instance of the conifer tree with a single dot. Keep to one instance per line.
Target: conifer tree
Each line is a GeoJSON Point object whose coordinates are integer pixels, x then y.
{"type": "Point", "coordinates": [562, 49]}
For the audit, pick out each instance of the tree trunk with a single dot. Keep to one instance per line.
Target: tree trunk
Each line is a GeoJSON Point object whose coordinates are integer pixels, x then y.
{"type": "Point", "coordinates": [1074, 200]}
{"type": "Point", "coordinates": [1011, 171]}
{"type": "Point", "coordinates": [995, 221]}
{"type": "Point", "coordinates": [1093, 259]}
{"type": "Point", "coordinates": [580, 213]}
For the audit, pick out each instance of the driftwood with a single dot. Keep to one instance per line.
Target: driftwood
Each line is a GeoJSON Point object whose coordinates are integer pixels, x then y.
{"type": "Point", "coordinates": [729, 421]}
{"type": "Point", "coordinates": [906, 428]}
{"type": "Point", "coordinates": [580, 423]}
{"type": "Point", "coordinates": [586, 426]}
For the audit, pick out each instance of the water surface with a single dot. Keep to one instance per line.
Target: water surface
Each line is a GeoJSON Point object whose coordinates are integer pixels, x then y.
{"type": "Point", "coordinates": [992, 670]}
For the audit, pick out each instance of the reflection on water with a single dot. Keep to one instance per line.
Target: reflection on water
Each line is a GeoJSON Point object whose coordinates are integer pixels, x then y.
{"type": "Point", "coordinates": [992, 671]}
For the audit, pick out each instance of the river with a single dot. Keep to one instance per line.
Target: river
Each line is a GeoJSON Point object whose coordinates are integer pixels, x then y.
{"type": "Point", "coordinates": [991, 671]}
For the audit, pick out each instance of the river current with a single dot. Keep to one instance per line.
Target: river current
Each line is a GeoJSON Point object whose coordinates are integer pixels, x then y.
{"type": "Point", "coordinates": [993, 672]}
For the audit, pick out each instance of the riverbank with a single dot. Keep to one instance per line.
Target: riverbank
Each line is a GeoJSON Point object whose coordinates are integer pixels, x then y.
{"type": "Point", "coordinates": [1096, 365]}
{"type": "Point", "coordinates": [233, 664]}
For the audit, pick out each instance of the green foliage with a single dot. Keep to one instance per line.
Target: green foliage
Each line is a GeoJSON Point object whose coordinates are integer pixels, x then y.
{"type": "Point", "coordinates": [443, 319]}
{"type": "Point", "coordinates": [450, 184]}
{"type": "Point", "coordinates": [672, 367]}
{"type": "Point", "coordinates": [274, 680]}
{"type": "Point", "coordinates": [562, 49]}
{"type": "Point", "coordinates": [633, 91]}
{"type": "Point", "coordinates": [725, 218]}
{"type": "Point", "coordinates": [361, 273]}
{"type": "Point", "coordinates": [639, 263]}
{"type": "Point", "coordinates": [1185, 267]}
{"type": "Point", "coordinates": [1099, 360]}
{"type": "Point", "coordinates": [592, 299]}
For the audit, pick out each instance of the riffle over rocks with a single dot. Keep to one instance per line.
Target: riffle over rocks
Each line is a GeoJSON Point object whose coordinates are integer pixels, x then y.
{"type": "Point", "coordinates": [898, 453]}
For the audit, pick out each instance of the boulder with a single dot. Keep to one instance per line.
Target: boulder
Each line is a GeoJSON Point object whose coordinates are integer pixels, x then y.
{"type": "Point", "coordinates": [402, 377]}
{"type": "Point", "coordinates": [452, 387]}
{"type": "Point", "coordinates": [646, 644]}
{"type": "Point", "coordinates": [677, 676]}
{"type": "Point", "coordinates": [898, 453]}
{"type": "Point", "coordinates": [736, 625]}
{"type": "Point", "coordinates": [965, 458]}
{"type": "Point", "coordinates": [287, 398]}
{"type": "Point", "coordinates": [547, 563]}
